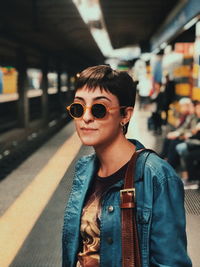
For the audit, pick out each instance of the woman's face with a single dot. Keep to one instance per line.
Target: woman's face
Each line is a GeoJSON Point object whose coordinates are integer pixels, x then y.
{"type": "Point", "coordinates": [98, 132]}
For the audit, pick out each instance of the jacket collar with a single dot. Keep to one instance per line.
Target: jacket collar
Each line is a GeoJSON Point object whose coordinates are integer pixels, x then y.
{"type": "Point", "coordinates": [88, 165]}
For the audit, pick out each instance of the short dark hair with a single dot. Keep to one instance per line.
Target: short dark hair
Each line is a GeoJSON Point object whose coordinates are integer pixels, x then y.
{"type": "Point", "coordinates": [119, 83]}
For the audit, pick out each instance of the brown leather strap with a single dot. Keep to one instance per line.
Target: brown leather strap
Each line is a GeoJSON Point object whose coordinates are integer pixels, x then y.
{"type": "Point", "coordinates": [130, 244]}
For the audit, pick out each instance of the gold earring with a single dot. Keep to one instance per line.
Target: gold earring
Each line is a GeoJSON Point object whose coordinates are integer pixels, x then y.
{"type": "Point", "coordinates": [123, 127]}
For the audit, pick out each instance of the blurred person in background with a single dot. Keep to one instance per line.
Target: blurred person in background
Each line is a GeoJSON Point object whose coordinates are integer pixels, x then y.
{"type": "Point", "coordinates": [168, 95]}
{"type": "Point", "coordinates": [189, 152]}
{"type": "Point", "coordinates": [187, 121]}
{"type": "Point", "coordinates": [144, 88]}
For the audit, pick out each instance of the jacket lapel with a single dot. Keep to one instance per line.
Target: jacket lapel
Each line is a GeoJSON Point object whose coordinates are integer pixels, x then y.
{"type": "Point", "coordinates": [71, 230]}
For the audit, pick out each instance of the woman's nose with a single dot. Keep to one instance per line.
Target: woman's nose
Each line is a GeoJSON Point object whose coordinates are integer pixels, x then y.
{"type": "Point", "coordinates": [87, 116]}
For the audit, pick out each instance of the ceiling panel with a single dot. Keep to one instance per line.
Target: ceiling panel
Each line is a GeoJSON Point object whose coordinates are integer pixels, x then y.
{"type": "Point", "coordinates": [132, 22]}
{"type": "Point", "coordinates": [51, 26]}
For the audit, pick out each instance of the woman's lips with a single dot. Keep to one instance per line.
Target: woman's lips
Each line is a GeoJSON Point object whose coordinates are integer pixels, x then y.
{"type": "Point", "coordinates": [88, 129]}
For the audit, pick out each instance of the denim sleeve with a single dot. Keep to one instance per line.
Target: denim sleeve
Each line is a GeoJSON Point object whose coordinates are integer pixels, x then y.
{"type": "Point", "coordinates": [168, 243]}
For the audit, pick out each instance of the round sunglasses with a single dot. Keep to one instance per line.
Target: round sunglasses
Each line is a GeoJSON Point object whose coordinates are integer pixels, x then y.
{"type": "Point", "coordinates": [98, 110]}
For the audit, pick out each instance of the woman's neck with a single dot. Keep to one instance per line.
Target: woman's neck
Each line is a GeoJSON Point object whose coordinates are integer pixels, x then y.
{"type": "Point", "coordinates": [113, 156]}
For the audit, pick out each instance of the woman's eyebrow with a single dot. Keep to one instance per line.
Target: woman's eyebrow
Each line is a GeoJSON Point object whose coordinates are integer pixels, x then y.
{"type": "Point", "coordinates": [102, 97]}
{"type": "Point", "coordinates": [79, 98]}
{"type": "Point", "coordinates": [95, 98]}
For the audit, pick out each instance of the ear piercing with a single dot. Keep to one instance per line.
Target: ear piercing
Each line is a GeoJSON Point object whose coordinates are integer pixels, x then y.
{"type": "Point", "coordinates": [123, 127]}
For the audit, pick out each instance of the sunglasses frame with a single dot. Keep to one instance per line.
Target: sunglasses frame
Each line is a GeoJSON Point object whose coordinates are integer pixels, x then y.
{"type": "Point", "coordinates": [90, 107]}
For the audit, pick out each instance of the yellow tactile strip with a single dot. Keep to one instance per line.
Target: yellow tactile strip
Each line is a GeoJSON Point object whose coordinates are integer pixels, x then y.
{"type": "Point", "coordinates": [17, 222]}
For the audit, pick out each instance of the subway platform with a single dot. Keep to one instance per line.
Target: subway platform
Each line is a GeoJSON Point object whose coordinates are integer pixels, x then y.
{"type": "Point", "coordinates": [33, 198]}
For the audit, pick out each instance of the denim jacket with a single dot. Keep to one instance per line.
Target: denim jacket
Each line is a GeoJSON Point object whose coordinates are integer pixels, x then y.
{"type": "Point", "coordinates": [160, 214]}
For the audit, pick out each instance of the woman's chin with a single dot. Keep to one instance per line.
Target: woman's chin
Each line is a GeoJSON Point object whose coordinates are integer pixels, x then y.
{"type": "Point", "coordinates": [88, 142]}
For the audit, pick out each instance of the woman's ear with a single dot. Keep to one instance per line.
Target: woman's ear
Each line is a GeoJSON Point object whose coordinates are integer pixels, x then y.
{"type": "Point", "coordinates": [127, 114]}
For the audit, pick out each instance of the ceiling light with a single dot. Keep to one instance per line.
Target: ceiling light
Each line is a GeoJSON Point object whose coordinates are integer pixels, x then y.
{"type": "Point", "coordinates": [102, 39]}
{"type": "Point", "coordinates": [198, 29]}
{"type": "Point", "coordinates": [163, 45]}
{"type": "Point", "coordinates": [145, 56]}
{"type": "Point", "coordinates": [127, 53]}
{"type": "Point", "coordinates": [90, 12]}
{"type": "Point", "coordinates": [155, 51]}
{"type": "Point", "coordinates": [190, 23]}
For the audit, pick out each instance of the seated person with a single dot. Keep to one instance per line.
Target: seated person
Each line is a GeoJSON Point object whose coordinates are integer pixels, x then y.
{"type": "Point", "coordinates": [187, 119]}
{"type": "Point", "coordinates": [189, 150]}
{"type": "Point", "coordinates": [187, 122]}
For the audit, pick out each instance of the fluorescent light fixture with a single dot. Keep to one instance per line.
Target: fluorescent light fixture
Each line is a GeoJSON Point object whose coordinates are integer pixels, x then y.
{"type": "Point", "coordinates": [90, 12]}
{"type": "Point", "coordinates": [126, 53]}
{"type": "Point", "coordinates": [113, 62]}
{"type": "Point", "coordinates": [103, 41]}
{"type": "Point", "coordinates": [190, 23]}
{"type": "Point", "coordinates": [157, 50]}
{"type": "Point", "coordinates": [168, 49]}
{"type": "Point", "coordinates": [198, 29]}
{"type": "Point", "coordinates": [146, 56]}
{"type": "Point", "coordinates": [163, 45]}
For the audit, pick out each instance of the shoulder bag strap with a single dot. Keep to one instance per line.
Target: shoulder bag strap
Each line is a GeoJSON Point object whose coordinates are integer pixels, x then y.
{"type": "Point", "coordinates": [130, 244]}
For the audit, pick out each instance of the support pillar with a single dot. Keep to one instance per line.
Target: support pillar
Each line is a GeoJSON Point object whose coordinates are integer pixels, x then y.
{"type": "Point", "coordinates": [23, 101]}
{"type": "Point", "coordinates": [70, 92]}
{"type": "Point", "coordinates": [45, 102]}
{"type": "Point", "coordinates": [60, 97]}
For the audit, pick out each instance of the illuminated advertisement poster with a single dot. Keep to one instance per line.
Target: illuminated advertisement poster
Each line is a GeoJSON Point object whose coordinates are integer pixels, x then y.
{"type": "Point", "coordinates": [8, 80]}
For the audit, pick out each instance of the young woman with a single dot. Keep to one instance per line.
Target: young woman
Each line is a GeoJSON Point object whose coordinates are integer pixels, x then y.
{"type": "Point", "coordinates": [102, 107]}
